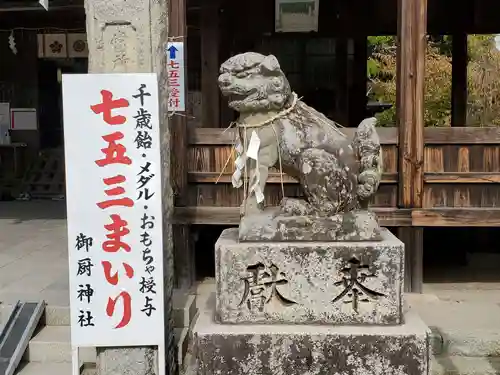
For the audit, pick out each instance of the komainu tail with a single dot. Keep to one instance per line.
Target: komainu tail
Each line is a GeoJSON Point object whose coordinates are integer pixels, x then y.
{"type": "Point", "coordinates": [366, 144]}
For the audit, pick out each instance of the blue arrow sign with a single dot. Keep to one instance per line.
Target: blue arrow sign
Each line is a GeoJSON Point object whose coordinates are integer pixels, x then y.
{"type": "Point", "coordinates": [172, 50]}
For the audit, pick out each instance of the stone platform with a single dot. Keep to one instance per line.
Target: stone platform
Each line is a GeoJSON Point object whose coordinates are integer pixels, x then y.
{"type": "Point", "coordinates": [271, 225]}
{"type": "Point", "coordinates": [309, 282]}
{"type": "Point", "coordinates": [311, 349]}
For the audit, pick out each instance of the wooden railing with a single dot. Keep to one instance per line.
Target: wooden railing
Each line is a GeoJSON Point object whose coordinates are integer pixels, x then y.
{"type": "Point", "coordinates": [461, 179]}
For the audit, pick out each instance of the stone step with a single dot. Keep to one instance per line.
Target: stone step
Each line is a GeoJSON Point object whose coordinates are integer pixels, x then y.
{"type": "Point", "coordinates": [455, 365]}
{"type": "Point", "coordinates": [44, 369]}
{"type": "Point", "coordinates": [466, 329]}
{"type": "Point", "coordinates": [52, 344]}
{"type": "Point", "coordinates": [184, 309]}
{"type": "Point", "coordinates": [39, 368]}
{"type": "Point", "coordinates": [440, 366]}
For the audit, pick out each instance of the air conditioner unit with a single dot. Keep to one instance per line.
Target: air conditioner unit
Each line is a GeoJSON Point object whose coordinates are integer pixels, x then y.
{"type": "Point", "coordinates": [298, 16]}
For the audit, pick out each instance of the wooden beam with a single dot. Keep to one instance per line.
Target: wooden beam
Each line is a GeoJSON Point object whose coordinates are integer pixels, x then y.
{"type": "Point", "coordinates": [273, 178]}
{"type": "Point", "coordinates": [388, 136]}
{"type": "Point", "coordinates": [221, 136]}
{"type": "Point", "coordinates": [462, 135]}
{"type": "Point", "coordinates": [457, 217]}
{"type": "Point", "coordinates": [459, 79]}
{"type": "Point", "coordinates": [183, 249]}
{"type": "Point", "coordinates": [210, 62]}
{"type": "Point", "coordinates": [177, 32]}
{"type": "Point", "coordinates": [17, 6]}
{"type": "Point", "coordinates": [178, 124]}
{"type": "Point", "coordinates": [390, 217]}
{"type": "Point", "coordinates": [462, 177]}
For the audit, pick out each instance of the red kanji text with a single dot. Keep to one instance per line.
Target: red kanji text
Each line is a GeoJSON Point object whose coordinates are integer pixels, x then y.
{"type": "Point", "coordinates": [115, 152]}
{"type": "Point", "coordinates": [113, 279]}
{"type": "Point", "coordinates": [127, 308]}
{"type": "Point", "coordinates": [113, 192]}
{"type": "Point", "coordinates": [118, 229]}
{"type": "Point", "coordinates": [107, 105]}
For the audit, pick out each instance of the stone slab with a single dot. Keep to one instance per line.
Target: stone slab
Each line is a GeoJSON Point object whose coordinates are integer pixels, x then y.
{"type": "Point", "coordinates": [311, 349]}
{"type": "Point", "coordinates": [313, 281]}
{"type": "Point", "coordinates": [184, 308]}
{"type": "Point", "coordinates": [272, 225]}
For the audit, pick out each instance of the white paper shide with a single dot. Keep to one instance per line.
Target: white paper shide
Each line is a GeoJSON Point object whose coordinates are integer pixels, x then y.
{"type": "Point", "coordinates": [113, 187]}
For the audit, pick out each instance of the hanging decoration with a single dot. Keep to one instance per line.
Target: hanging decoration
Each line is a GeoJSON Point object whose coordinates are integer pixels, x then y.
{"type": "Point", "coordinates": [12, 43]}
{"type": "Point", "coordinates": [77, 45]}
{"type": "Point", "coordinates": [62, 45]}
{"type": "Point", "coordinates": [55, 45]}
{"type": "Point", "coordinates": [44, 3]}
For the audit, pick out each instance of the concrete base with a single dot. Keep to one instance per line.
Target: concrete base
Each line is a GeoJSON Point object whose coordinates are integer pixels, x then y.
{"type": "Point", "coordinates": [309, 282]}
{"type": "Point", "coordinates": [127, 361]}
{"type": "Point", "coordinates": [311, 350]}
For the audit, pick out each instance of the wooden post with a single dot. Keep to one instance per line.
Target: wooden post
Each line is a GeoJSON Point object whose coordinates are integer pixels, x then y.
{"type": "Point", "coordinates": [210, 64]}
{"type": "Point", "coordinates": [358, 89]}
{"type": "Point", "coordinates": [459, 80]}
{"type": "Point", "coordinates": [183, 251]}
{"type": "Point", "coordinates": [341, 90]}
{"type": "Point", "coordinates": [412, 24]}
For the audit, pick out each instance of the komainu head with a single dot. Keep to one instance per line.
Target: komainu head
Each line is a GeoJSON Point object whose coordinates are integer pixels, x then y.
{"type": "Point", "coordinates": [254, 83]}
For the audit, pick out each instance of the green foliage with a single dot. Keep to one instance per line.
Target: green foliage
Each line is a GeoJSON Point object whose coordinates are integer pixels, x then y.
{"type": "Point", "coordinates": [483, 80]}
{"type": "Point", "coordinates": [373, 68]}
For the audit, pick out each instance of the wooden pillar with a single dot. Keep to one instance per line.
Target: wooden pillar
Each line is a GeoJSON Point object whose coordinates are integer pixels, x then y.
{"type": "Point", "coordinates": [341, 73]}
{"type": "Point", "coordinates": [183, 250]}
{"type": "Point", "coordinates": [227, 21]}
{"type": "Point", "coordinates": [358, 89]}
{"type": "Point", "coordinates": [412, 25]}
{"type": "Point", "coordinates": [210, 64]}
{"type": "Point", "coordinates": [459, 80]}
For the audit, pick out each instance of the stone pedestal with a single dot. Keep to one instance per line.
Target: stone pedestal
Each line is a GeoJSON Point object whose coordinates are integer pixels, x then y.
{"type": "Point", "coordinates": [311, 349]}
{"type": "Point", "coordinates": [310, 308]}
{"type": "Point", "coordinates": [309, 282]}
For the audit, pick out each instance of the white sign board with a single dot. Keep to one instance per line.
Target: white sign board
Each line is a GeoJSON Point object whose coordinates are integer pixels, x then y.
{"type": "Point", "coordinates": [23, 119]}
{"type": "Point", "coordinates": [114, 209]}
{"type": "Point", "coordinates": [176, 77]}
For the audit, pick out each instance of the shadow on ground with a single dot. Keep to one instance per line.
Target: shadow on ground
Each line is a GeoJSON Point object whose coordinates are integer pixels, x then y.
{"type": "Point", "coordinates": [21, 211]}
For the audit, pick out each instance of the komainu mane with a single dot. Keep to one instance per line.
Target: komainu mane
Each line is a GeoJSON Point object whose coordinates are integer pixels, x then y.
{"type": "Point", "coordinates": [276, 129]}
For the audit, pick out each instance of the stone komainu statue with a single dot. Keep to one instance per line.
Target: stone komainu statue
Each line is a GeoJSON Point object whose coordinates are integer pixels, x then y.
{"type": "Point", "coordinates": [338, 175]}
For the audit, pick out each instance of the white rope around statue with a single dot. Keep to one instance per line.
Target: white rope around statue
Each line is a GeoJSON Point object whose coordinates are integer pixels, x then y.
{"type": "Point", "coordinates": [246, 151]}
